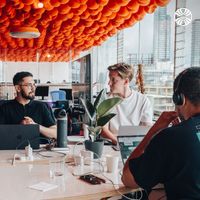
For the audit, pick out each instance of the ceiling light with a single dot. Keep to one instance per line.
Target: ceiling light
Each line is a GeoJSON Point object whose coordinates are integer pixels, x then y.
{"type": "Point", "coordinates": [24, 32]}
{"type": "Point", "coordinates": [40, 5]}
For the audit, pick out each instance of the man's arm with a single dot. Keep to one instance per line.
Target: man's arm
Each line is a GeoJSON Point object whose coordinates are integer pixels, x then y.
{"type": "Point", "coordinates": [106, 133]}
{"type": "Point", "coordinates": [164, 120]}
{"type": "Point", "coordinates": [146, 123]}
{"type": "Point", "coordinates": [50, 132]}
{"type": "Point", "coordinates": [128, 178]}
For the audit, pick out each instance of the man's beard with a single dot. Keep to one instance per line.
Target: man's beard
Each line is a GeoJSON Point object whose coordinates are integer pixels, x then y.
{"type": "Point", "coordinates": [29, 97]}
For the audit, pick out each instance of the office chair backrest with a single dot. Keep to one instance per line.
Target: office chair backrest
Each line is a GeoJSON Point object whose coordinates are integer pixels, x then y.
{"type": "Point", "coordinates": [58, 95]}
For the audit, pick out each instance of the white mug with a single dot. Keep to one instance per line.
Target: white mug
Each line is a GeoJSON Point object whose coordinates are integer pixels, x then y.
{"type": "Point", "coordinates": [85, 131]}
{"type": "Point", "coordinates": [112, 163]}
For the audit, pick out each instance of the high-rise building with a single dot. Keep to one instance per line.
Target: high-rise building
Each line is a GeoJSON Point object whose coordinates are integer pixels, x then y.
{"type": "Point", "coordinates": [120, 46]}
{"type": "Point", "coordinates": [180, 43]}
{"type": "Point", "coordinates": [195, 47]}
{"type": "Point", "coordinates": [162, 33]}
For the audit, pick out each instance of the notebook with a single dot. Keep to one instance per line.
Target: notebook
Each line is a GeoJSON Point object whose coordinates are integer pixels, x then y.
{"type": "Point", "coordinates": [18, 136]}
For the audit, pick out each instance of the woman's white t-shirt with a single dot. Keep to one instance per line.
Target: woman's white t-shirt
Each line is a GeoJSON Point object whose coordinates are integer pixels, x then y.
{"type": "Point", "coordinates": [131, 111]}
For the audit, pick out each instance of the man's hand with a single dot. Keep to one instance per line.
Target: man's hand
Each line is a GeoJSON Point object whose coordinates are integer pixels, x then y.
{"type": "Point", "coordinates": [166, 118]}
{"type": "Point", "coordinates": [27, 120]}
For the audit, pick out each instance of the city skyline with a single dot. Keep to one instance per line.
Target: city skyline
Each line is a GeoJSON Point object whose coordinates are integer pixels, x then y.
{"type": "Point", "coordinates": [162, 35]}
{"type": "Point", "coordinates": [131, 44]}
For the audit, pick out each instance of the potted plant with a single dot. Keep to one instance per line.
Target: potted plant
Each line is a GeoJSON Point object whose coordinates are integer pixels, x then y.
{"type": "Point", "coordinates": [99, 114]}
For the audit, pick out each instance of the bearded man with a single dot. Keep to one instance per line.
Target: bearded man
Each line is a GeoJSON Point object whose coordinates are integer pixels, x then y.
{"type": "Point", "coordinates": [25, 110]}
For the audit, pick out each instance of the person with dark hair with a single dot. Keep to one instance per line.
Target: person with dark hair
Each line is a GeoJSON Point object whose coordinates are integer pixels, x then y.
{"type": "Point", "coordinates": [171, 155]}
{"type": "Point", "coordinates": [134, 110]}
{"type": "Point", "coordinates": [25, 110]}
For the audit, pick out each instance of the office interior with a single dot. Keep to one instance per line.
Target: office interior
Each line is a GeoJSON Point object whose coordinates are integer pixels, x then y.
{"type": "Point", "coordinates": [75, 56]}
{"type": "Point", "coordinates": [68, 44]}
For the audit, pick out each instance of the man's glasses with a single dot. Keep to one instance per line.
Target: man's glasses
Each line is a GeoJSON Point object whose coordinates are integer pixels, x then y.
{"type": "Point", "coordinates": [29, 85]}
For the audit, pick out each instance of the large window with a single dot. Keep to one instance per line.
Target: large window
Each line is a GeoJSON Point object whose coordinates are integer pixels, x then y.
{"type": "Point", "coordinates": [150, 43]}
{"type": "Point", "coordinates": [162, 48]}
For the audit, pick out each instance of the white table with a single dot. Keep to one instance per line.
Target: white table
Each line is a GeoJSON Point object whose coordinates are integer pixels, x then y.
{"type": "Point", "coordinates": [15, 180]}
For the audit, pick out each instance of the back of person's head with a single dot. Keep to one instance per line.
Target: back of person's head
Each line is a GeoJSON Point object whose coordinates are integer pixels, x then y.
{"type": "Point", "coordinates": [124, 70]}
{"type": "Point", "coordinates": [187, 83]}
{"type": "Point", "coordinates": [18, 77]}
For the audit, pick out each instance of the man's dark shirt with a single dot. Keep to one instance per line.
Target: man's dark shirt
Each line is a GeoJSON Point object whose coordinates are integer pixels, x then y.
{"type": "Point", "coordinates": [172, 158]}
{"type": "Point", "coordinates": [12, 112]}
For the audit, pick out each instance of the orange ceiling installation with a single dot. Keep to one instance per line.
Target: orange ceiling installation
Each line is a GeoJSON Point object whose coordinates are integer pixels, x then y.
{"type": "Point", "coordinates": [64, 27]}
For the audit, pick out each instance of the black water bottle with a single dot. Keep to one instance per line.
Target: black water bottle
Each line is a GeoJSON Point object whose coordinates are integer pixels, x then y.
{"type": "Point", "coordinates": [62, 128]}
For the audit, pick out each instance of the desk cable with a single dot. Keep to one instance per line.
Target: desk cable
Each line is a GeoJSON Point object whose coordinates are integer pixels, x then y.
{"type": "Point", "coordinates": [14, 158]}
{"type": "Point", "coordinates": [28, 150]}
{"type": "Point", "coordinates": [138, 193]}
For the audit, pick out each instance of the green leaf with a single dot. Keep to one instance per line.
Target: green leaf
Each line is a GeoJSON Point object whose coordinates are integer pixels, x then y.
{"type": "Point", "coordinates": [96, 103]}
{"type": "Point", "coordinates": [90, 110]}
{"type": "Point", "coordinates": [105, 119]}
{"type": "Point", "coordinates": [95, 130]}
{"type": "Point", "coordinates": [106, 105]}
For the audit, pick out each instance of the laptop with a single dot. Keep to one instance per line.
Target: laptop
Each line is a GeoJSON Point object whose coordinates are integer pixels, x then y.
{"type": "Point", "coordinates": [128, 139]}
{"type": "Point", "coordinates": [133, 130]}
{"type": "Point", "coordinates": [127, 143]}
{"type": "Point", "coordinates": [18, 136]}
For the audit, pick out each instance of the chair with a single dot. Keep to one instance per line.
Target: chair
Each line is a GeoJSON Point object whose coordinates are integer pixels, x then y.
{"type": "Point", "coordinates": [58, 95]}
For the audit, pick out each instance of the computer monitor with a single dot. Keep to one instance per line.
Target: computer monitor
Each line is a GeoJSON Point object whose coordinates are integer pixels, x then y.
{"type": "Point", "coordinates": [42, 91]}
{"type": "Point", "coordinates": [68, 93]}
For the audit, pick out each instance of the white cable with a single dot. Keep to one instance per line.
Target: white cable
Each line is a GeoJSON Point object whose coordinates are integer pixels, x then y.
{"type": "Point", "coordinates": [101, 172]}
{"type": "Point", "coordinates": [113, 184]}
{"type": "Point", "coordinates": [13, 160]}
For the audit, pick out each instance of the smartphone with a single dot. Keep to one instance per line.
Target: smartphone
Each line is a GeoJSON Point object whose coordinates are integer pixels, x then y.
{"type": "Point", "coordinates": [116, 148]}
{"type": "Point", "coordinates": [90, 178]}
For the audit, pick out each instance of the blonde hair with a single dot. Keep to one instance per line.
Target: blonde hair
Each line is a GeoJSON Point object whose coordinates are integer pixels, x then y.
{"type": "Point", "coordinates": [124, 70]}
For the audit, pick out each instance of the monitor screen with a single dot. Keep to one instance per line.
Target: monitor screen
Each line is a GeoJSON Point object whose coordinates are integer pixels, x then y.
{"type": "Point", "coordinates": [42, 91]}
{"type": "Point", "coordinates": [68, 93]}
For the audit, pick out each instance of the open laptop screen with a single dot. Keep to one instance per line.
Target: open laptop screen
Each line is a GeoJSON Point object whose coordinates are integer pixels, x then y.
{"type": "Point", "coordinates": [19, 136]}
{"type": "Point", "coordinates": [127, 144]}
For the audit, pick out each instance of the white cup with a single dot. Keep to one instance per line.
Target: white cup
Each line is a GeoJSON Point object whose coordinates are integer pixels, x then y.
{"type": "Point", "coordinates": [112, 163]}
{"type": "Point", "coordinates": [57, 166]}
{"type": "Point", "coordinates": [87, 156]}
{"type": "Point", "coordinates": [85, 131]}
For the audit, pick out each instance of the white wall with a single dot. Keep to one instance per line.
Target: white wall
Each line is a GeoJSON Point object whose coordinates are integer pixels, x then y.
{"type": "Point", "coordinates": [45, 71]}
